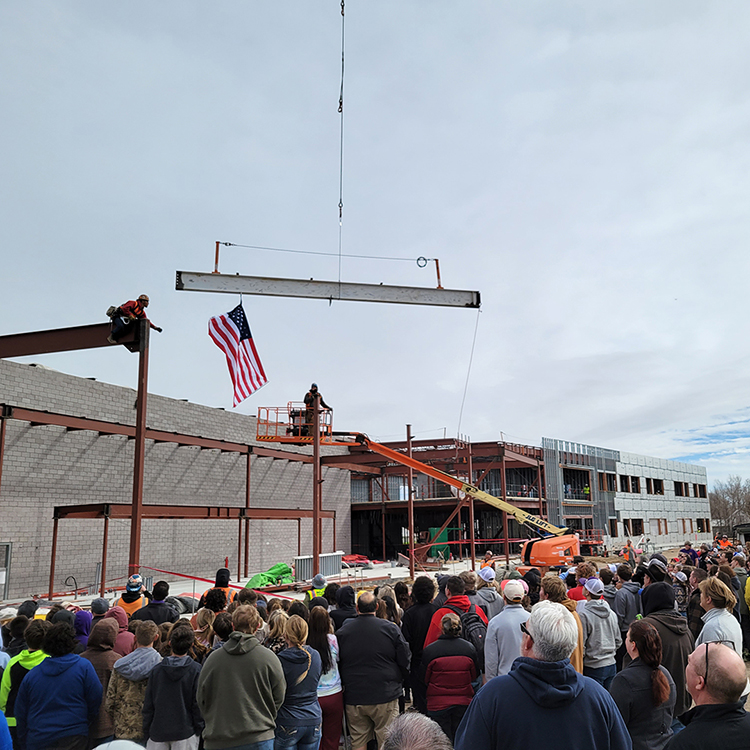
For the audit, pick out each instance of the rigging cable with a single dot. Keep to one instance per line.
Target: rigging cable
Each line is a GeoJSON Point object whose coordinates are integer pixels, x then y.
{"type": "Point", "coordinates": [421, 261]}
{"type": "Point", "coordinates": [468, 373]}
{"type": "Point", "coordinates": [341, 146]}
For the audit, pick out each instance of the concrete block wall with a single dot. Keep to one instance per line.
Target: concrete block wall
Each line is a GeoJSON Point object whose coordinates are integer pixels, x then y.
{"type": "Point", "coordinates": [47, 466]}
{"type": "Point", "coordinates": [667, 506]}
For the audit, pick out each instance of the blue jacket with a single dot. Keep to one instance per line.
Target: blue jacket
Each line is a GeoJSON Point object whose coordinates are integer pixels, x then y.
{"type": "Point", "coordinates": [302, 668]}
{"type": "Point", "coordinates": [58, 698]}
{"type": "Point", "coordinates": [540, 702]}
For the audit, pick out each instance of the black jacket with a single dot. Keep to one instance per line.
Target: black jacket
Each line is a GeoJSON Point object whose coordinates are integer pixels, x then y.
{"type": "Point", "coordinates": [170, 709]}
{"type": "Point", "coordinates": [725, 725]}
{"type": "Point", "coordinates": [158, 612]}
{"type": "Point", "coordinates": [414, 625]}
{"type": "Point", "coordinates": [677, 643]}
{"type": "Point", "coordinates": [345, 599]}
{"type": "Point", "coordinates": [649, 726]}
{"type": "Point", "coordinates": [373, 660]}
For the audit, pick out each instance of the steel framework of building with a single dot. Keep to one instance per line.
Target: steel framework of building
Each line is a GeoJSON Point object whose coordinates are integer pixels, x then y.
{"type": "Point", "coordinates": [136, 340]}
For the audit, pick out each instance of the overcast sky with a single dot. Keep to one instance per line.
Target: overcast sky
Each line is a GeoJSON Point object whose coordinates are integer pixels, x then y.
{"type": "Point", "coordinates": [583, 165]}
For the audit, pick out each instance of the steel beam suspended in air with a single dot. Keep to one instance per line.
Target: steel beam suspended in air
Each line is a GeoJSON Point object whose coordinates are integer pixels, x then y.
{"type": "Point", "coordinates": [190, 281]}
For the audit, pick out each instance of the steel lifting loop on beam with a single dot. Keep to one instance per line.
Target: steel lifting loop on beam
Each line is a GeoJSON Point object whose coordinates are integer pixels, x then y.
{"type": "Point", "coordinates": [421, 261]}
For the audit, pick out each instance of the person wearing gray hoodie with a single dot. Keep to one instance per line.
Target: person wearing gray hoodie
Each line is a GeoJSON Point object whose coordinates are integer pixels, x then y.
{"type": "Point", "coordinates": [601, 635]}
{"type": "Point", "coordinates": [127, 686]}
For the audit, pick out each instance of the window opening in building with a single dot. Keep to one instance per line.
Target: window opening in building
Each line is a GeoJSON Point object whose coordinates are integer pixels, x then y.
{"type": "Point", "coordinates": [613, 527]}
{"type": "Point", "coordinates": [576, 484]}
{"type": "Point", "coordinates": [680, 489]}
{"type": "Point", "coordinates": [624, 483]}
{"type": "Point", "coordinates": [649, 486]}
{"type": "Point", "coordinates": [635, 484]}
{"type": "Point", "coordinates": [658, 486]}
{"type": "Point", "coordinates": [637, 525]}
{"type": "Point", "coordinates": [626, 527]}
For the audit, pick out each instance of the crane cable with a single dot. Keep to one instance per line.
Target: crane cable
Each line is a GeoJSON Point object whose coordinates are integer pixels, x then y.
{"type": "Point", "coordinates": [341, 145]}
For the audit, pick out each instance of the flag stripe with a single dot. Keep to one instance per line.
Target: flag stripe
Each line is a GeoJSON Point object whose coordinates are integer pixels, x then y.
{"type": "Point", "coordinates": [231, 334]}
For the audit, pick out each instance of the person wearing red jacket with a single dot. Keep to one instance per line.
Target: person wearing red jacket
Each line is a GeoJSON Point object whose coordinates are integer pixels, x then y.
{"type": "Point", "coordinates": [457, 600]}
{"type": "Point", "coordinates": [127, 313]}
{"type": "Point", "coordinates": [449, 666]}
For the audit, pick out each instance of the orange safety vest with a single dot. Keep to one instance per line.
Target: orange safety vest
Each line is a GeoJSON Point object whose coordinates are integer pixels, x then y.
{"type": "Point", "coordinates": [132, 607]}
{"type": "Point", "coordinates": [231, 593]}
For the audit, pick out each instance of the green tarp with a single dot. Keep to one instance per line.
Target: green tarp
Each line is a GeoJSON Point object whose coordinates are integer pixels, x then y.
{"type": "Point", "coordinates": [280, 573]}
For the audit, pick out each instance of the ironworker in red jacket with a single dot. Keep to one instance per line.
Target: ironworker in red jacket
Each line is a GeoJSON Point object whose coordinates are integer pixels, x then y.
{"type": "Point", "coordinates": [457, 600]}
{"type": "Point", "coordinates": [449, 667]}
{"type": "Point", "coordinates": [125, 314]}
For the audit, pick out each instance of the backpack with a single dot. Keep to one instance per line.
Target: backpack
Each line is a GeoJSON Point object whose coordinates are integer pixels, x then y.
{"type": "Point", "coordinates": [473, 630]}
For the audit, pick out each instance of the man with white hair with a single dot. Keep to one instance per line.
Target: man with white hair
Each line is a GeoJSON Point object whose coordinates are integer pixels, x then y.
{"type": "Point", "coordinates": [543, 699]}
{"type": "Point", "coordinates": [716, 678]}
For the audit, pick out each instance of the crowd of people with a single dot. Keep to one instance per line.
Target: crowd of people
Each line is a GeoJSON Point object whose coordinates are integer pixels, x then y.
{"type": "Point", "coordinates": [647, 654]}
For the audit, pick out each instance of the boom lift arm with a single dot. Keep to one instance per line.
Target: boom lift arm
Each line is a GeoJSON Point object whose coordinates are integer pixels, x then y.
{"type": "Point", "coordinates": [537, 524]}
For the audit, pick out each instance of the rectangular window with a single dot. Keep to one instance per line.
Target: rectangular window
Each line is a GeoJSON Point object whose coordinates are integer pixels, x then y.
{"type": "Point", "coordinates": [699, 522]}
{"type": "Point", "coordinates": [602, 481]}
{"type": "Point", "coordinates": [624, 483]}
{"type": "Point", "coordinates": [654, 527]}
{"type": "Point", "coordinates": [613, 527]}
{"type": "Point", "coordinates": [649, 486]}
{"type": "Point", "coordinates": [702, 488]}
{"type": "Point", "coordinates": [680, 489]}
{"type": "Point", "coordinates": [611, 482]}
{"type": "Point", "coordinates": [658, 486]}
{"type": "Point", "coordinates": [708, 525]}
{"type": "Point", "coordinates": [626, 527]}
{"type": "Point", "coordinates": [689, 530]}
{"type": "Point", "coordinates": [635, 484]}
{"type": "Point", "coordinates": [637, 524]}
{"type": "Point", "coordinates": [666, 527]}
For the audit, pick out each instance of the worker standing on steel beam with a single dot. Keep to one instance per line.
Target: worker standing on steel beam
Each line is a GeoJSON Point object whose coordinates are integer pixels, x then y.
{"type": "Point", "coordinates": [126, 314]}
{"type": "Point", "coordinates": [310, 404]}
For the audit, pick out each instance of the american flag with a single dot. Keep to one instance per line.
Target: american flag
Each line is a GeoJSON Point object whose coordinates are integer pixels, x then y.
{"type": "Point", "coordinates": [231, 333]}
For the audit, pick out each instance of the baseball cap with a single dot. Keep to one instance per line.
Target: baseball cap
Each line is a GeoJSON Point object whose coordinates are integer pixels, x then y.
{"type": "Point", "coordinates": [738, 556]}
{"type": "Point", "coordinates": [514, 591]}
{"type": "Point", "coordinates": [135, 583]}
{"type": "Point", "coordinates": [680, 576]}
{"type": "Point", "coordinates": [487, 574]}
{"type": "Point", "coordinates": [594, 586]}
{"type": "Point", "coordinates": [99, 606]}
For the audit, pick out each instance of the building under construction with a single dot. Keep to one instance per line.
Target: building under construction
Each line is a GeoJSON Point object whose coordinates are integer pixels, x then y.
{"type": "Point", "coordinates": [606, 496]}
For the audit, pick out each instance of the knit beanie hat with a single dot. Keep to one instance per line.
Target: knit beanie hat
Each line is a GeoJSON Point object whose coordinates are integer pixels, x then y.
{"type": "Point", "coordinates": [656, 597]}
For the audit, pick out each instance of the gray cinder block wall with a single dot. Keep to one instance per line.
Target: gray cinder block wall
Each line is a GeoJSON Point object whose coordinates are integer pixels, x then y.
{"type": "Point", "coordinates": [47, 466]}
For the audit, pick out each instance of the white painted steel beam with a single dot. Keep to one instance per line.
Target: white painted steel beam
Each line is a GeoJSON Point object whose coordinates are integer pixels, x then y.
{"type": "Point", "coordinates": [190, 281]}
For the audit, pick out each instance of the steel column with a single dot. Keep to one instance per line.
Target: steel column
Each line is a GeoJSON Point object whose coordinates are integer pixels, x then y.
{"type": "Point", "coordinates": [247, 520]}
{"type": "Point", "coordinates": [411, 504]}
{"type": "Point", "coordinates": [239, 549]}
{"type": "Point", "coordinates": [382, 524]}
{"type": "Point", "coordinates": [2, 447]}
{"type": "Point", "coordinates": [472, 535]}
{"type": "Point", "coordinates": [299, 537]}
{"type": "Point", "coordinates": [503, 490]}
{"type": "Point", "coordinates": [140, 448]}
{"type": "Point", "coordinates": [316, 484]}
{"type": "Point", "coordinates": [104, 556]}
{"type": "Point", "coordinates": [539, 489]}
{"type": "Point", "coordinates": [52, 558]}
{"type": "Point", "coordinates": [460, 533]}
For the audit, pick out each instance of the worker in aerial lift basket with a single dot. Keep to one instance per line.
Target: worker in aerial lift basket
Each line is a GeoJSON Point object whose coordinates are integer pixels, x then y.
{"type": "Point", "coordinates": [126, 314]}
{"type": "Point", "coordinates": [309, 407]}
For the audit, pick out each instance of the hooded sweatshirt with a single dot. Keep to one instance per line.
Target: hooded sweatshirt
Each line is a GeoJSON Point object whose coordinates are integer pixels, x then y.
{"type": "Point", "coordinates": [345, 601]}
{"type": "Point", "coordinates": [240, 690]}
{"type": "Point", "coordinates": [102, 657]}
{"type": "Point", "coordinates": [627, 604]}
{"type": "Point", "coordinates": [302, 670]}
{"type": "Point", "coordinates": [82, 626]}
{"type": "Point", "coordinates": [170, 708]}
{"type": "Point", "coordinates": [492, 603]}
{"type": "Point", "coordinates": [537, 702]}
{"type": "Point", "coordinates": [462, 604]}
{"type": "Point", "coordinates": [127, 690]}
{"type": "Point", "coordinates": [13, 675]}
{"type": "Point", "coordinates": [58, 698]}
{"type": "Point", "coordinates": [125, 641]}
{"type": "Point", "coordinates": [601, 634]}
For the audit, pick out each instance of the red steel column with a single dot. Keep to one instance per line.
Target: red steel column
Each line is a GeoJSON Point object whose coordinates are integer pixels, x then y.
{"type": "Point", "coordinates": [2, 446]}
{"type": "Point", "coordinates": [140, 449]}
{"type": "Point", "coordinates": [299, 537]}
{"type": "Point", "coordinates": [239, 550]}
{"type": "Point", "coordinates": [247, 520]}
{"type": "Point", "coordinates": [52, 558]}
{"type": "Point", "coordinates": [472, 534]}
{"type": "Point", "coordinates": [411, 504]}
{"type": "Point", "coordinates": [505, 515]}
{"type": "Point", "coordinates": [316, 484]}
{"type": "Point", "coordinates": [104, 556]}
